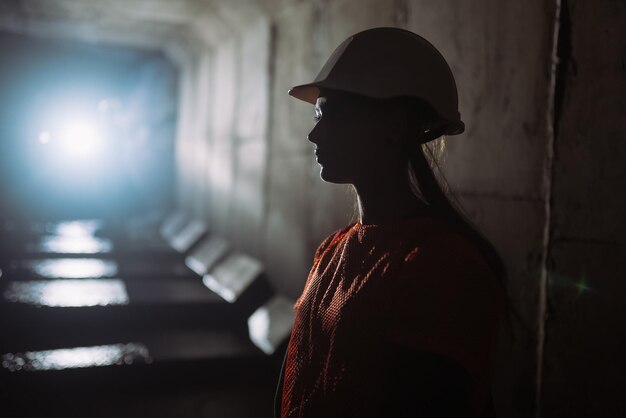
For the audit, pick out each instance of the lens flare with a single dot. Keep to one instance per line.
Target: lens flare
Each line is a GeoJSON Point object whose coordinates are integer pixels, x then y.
{"type": "Point", "coordinates": [580, 285]}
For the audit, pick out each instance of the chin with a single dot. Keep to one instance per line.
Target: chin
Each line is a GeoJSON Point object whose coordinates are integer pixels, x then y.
{"type": "Point", "coordinates": [331, 176]}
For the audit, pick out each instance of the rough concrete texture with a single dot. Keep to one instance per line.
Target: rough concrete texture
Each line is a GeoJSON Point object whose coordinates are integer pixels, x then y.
{"type": "Point", "coordinates": [513, 227]}
{"type": "Point", "coordinates": [499, 53]}
{"type": "Point", "coordinates": [221, 150]}
{"type": "Point", "coordinates": [584, 350]}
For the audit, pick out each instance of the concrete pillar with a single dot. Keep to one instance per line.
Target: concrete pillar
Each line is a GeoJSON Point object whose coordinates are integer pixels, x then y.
{"type": "Point", "coordinates": [584, 361]}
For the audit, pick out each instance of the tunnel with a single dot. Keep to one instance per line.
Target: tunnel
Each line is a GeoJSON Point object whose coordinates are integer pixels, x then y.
{"type": "Point", "coordinates": [161, 205]}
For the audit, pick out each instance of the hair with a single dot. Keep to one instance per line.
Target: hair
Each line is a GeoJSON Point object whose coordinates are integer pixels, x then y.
{"type": "Point", "coordinates": [430, 185]}
{"type": "Point", "coordinates": [437, 194]}
{"type": "Point", "coordinates": [429, 182]}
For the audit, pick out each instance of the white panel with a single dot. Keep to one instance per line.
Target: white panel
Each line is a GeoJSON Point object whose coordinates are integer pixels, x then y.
{"type": "Point", "coordinates": [208, 252]}
{"type": "Point", "coordinates": [271, 324]}
{"type": "Point", "coordinates": [233, 276]}
{"type": "Point", "coordinates": [188, 236]}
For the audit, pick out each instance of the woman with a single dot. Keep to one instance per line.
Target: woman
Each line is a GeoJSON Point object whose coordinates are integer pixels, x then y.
{"type": "Point", "coordinates": [399, 314]}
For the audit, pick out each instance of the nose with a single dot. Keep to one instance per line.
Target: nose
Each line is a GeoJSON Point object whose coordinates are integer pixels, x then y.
{"type": "Point", "coordinates": [314, 134]}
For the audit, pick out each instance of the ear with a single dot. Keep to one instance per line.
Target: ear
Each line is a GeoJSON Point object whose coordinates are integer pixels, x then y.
{"type": "Point", "coordinates": [400, 126]}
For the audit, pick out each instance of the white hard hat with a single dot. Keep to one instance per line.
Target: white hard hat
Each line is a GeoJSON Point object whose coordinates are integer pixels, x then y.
{"type": "Point", "coordinates": [384, 63]}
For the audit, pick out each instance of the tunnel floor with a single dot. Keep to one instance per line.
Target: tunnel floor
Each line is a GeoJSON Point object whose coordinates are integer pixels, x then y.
{"type": "Point", "coordinates": [100, 323]}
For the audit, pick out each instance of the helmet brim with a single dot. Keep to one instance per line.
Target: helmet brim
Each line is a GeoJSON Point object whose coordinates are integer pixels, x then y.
{"type": "Point", "coordinates": [306, 92]}
{"type": "Point", "coordinates": [311, 91]}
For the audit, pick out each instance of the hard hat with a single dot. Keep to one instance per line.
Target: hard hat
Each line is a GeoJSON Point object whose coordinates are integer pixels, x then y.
{"type": "Point", "coordinates": [387, 62]}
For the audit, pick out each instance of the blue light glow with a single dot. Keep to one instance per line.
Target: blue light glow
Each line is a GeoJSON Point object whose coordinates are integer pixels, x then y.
{"type": "Point", "coordinates": [44, 137]}
{"type": "Point", "coordinates": [89, 131]}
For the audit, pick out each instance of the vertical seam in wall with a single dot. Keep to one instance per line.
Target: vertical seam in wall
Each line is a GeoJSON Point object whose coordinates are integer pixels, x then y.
{"type": "Point", "coordinates": [203, 132]}
{"type": "Point", "coordinates": [548, 176]}
{"type": "Point", "coordinates": [271, 74]}
{"type": "Point", "coordinates": [184, 184]}
{"type": "Point", "coordinates": [210, 140]}
{"type": "Point", "coordinates": [236, 140]}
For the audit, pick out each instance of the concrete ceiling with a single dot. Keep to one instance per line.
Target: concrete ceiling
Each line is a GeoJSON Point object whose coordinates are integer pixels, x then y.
{"type": "Point", "coordinates": [147, 24]}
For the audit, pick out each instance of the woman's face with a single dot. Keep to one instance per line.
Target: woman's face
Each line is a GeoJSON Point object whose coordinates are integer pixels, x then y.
{"type": "Point", "coordinates": [356, 138]}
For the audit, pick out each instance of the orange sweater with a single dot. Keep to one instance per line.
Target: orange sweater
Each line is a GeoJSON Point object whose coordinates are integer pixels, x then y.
{"type": "Point", "coordinates": [416, 283]}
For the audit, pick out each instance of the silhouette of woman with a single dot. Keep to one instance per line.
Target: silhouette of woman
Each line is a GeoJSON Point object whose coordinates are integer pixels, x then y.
{"type": "Point", "coordinates": [400, 312]}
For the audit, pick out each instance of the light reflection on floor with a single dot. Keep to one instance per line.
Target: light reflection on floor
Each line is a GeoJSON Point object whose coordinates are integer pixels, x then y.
{"type": "Point", "coordinates": [61, 244]}
{"type": "Point", "coordinates": [75, 228]}
{"type": "Point", "coordinates": [68, 293]}
{"type": "Point", "coordinates": [79, 357]}
{"type": "Point", "coordinates": [73, 268]}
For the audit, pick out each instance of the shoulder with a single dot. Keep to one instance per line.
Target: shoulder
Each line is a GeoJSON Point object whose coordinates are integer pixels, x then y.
{"type": "Point", "coordinates": [448, 300]}
{"type": "Point", "coordinates": [444, 248]}
{"type": "Point", "coordinates": [449, 264]}
{"type": "Point", "coordinates": [331, 241]}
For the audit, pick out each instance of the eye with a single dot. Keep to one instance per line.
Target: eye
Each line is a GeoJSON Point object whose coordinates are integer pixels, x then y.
{"type": "Point", "coordinates": [321, 101]}
{"type": "Point", "coordinates": [317, 116]}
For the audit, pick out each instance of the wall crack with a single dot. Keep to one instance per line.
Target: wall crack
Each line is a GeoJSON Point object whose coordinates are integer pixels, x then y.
{"type": "Point", "coordinates": [560, 62]}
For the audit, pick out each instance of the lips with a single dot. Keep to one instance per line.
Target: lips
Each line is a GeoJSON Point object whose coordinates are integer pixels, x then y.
{"type": "Point", "coordinates": [320, 155]}
{"type": "Point", "coordinates": [319, 152]}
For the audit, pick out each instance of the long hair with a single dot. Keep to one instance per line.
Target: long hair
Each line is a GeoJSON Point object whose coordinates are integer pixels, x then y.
{"type": "Point", "coordinates": [437, 195]}
{"type": "Point", "coordinates": [425, 150]}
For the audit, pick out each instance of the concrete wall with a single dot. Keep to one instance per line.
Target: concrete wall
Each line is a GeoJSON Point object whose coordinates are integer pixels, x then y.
{"type": "Point", "coordinates": [585, 331]}
{"type": "Point", "coordinates": [226, 157]}
{"type": "Point", "coordinates": [246, 167]}
{"type": "Point", "coordinates": [500, 55]}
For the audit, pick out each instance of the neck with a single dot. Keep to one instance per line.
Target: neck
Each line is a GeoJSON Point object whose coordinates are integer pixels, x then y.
{"type": "Point", "coordinates": [387, 199]}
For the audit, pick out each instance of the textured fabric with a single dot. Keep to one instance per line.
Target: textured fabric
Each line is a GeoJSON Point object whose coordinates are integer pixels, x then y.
{"type": "Point", "coordinates": [416, 283]}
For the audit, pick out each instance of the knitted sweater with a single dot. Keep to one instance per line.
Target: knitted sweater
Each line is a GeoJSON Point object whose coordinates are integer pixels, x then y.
{"type": "Point", "coordinates": [415, 283]}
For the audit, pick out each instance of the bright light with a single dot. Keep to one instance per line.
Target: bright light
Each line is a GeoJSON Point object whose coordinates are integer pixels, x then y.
{"type": "Point", "coordinates": [104, 105]}
{"type": "Point", "coordinates": [80, 139]}
{"type": "Point", "coordinates": [60, 244]}
{"type": "Point", "coordinates": [78, 228]}
{"type": "Point", "coordinates": [68, 293]}
{"type": "Point", "coordinates": [78, 357]}
{"type": "Point", "coordinates": [73, 268]}
{"type": "Point", "coordinates": [44, 137]}
{"type": "Point", "coordinates": [109, 104]}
